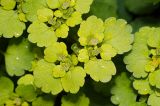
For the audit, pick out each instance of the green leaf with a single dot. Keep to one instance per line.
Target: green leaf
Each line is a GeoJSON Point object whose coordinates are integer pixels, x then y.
{"type": "Point", "coordinates": [41, 34]}
{"type": "Point", "coordinates": [10, 102]}
{"type": "Point", "coordinates": [6, 88]}
{"type": "Point", "coordinates": [27, 92]}
{"type": "Point", "coordinates": [139, 56]}
{"type": "Point", "coordinates": [100, 70]}
{"type": "Point", "coordinates": [44, 14]}
{"type": "Point", "coordinates": [83, 55]}
{"type": "Point", "coordinates": [75, 100]}
{"type": "Point", "coordinates": [25, 104]}
{"type": "Point", "coordinates": [134, 60]}
{"type": "Point", "coordinates": [118, 34]}
{"type": "Point", "coordinates": [142, 86]}
{"type": "Point", "coordinates": [153, 100]}
{"type": "Point", "coordinates": [74, 79]}
{"type": "Point", "coordinates": [91, 31]}
{"type": "Point", "coordinates": [83, 6]}
{"type": "Point", "coordinates": [8, 4]}
{"type": "Point", "coordinates": [56, 51]}
{"type": "Point", "coordinates": [104, 8]}
{"type": "Point", "coordinates": [27, 79]}
{"type": "Point", "coordinates": [18, 57]}
{"type": "Point", "coordinates": [58, 13]}
{"type": "Point", "coordinates": [107, 52]}
{"type": "Point", "coordinates": [58, 71]}
{"type": "Point", "coordinates": [10, 24]}
{"type": "Point", "coordinates": [154, 37]}
{"type": "Point", "coordinates": [43, 78]}
{"type": "Point", "coordinates": [74, 59]}
{"type": "Point", "coordinates": [75, 19]}
{"type": "Point", "coordinates": [30, 8]}
{"type": "Point", "coordinates": [154, 78]}
{"type": "Point", "coordinates": [62, 31]}
{"type": "Point", "coordinates": [46, 100]}
{"type": "Point", "coordinates": [123, 93]}
{"type": "Point", "coordinates": [53, 4]}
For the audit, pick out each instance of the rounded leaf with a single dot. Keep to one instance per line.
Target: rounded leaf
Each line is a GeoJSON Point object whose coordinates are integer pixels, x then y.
{"type": "Point", "coordinates": [122, 92]}
{"type": "Point", "coordinates": [43, 78]}
{"type": "Point", "coordinates": [62, 31]}
{"type": "Point", "coordinates": [57, 51]}
{"type": "Point", "coordinates": [27, 92]}
{"type": "Point", "coordinates": [8, 4]}
{"type": "Point", "coordinates": [18, 57]}
{"type": "Point", "coordinates": [75, 19]}
{"type": "Point", "coordinates": [91, 31]}
{"type": "Point", "coordinates": [153, 100]}
{"type": "Point", "coordinates": [74, 79]}
{"type": "Point", "coordinates": [118, 34]}
{"type": "Point", "coordinates": [154, 78]}
{"type": "Point", "coordinates": [53, 4]}
{"type": "Point", "coordinates": [142, 86]}
{"type": "Point", "coordinates": [41, 34]}
{"type": "Point", "coordinates": [44, 14]}
{"type": "Point", "coordinates": [30, 7]}
{"type": "Point", "coordinates": [83, 55]}
{"type": "Point", "coordinates": [27, 79]}
{"type": "Point", "coordinates": [10, 27]}
{"type": "Point", "coordinates": [83, 6]}
{"type": "Point", "coordinates": [6, 88]}
{"type": "Point", "coordinates": [107, 52]}
{"type": "Point", "coordinates": [154, 37]}
{"type": "Point", "coordinates": [100, 70]}
{"type": "Point", "coordinates": [139, 56]}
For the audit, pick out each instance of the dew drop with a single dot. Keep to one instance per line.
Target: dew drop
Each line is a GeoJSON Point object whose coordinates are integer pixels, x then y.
{"type": "Point", "coordinates": [16, 34]}
{"type": "Point", "coordinates": [17, 58]}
